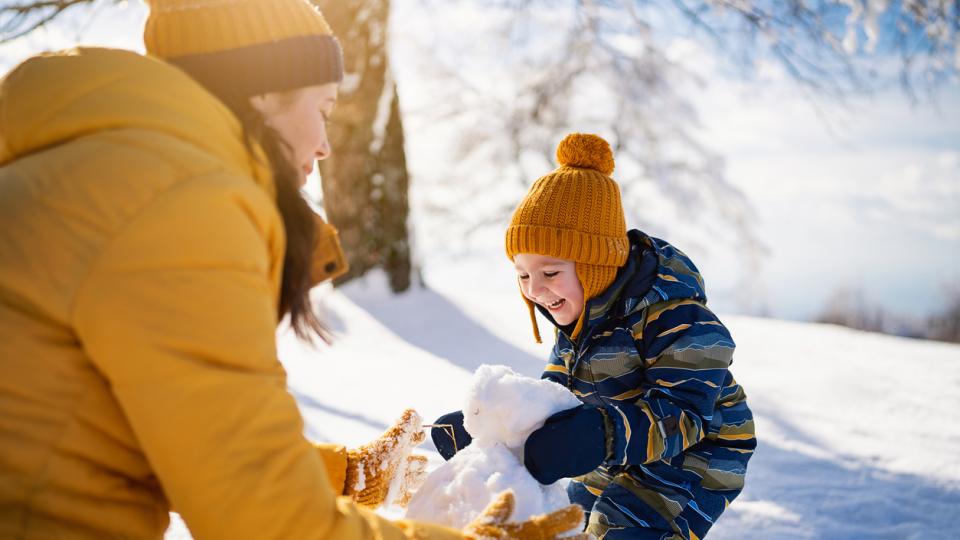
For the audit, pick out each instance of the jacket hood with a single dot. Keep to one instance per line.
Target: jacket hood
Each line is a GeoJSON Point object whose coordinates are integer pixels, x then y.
{"type": "Point", "coordinates": [655, 272]}
{"type": "Point", "coordinates": [53, 98]}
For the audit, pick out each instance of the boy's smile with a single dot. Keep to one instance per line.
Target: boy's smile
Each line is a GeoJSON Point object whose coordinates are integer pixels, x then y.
{"type": "Point", "coordinates": [552, 283]}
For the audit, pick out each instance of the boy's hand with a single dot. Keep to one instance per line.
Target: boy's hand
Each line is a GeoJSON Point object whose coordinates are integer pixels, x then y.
{"type": "Point", "coordinates": [570, 443]}
{"type": "Point", "coordinates": [449, 435]}
{"type": "Point", "coordinates": [492, 523]}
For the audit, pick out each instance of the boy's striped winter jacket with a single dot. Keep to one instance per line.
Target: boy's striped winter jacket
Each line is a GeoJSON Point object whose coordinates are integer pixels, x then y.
{"type": "Point", "coordinates": [657, 358]}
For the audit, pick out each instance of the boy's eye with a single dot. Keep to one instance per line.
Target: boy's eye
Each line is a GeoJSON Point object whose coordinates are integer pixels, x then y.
{"type": "Point", "coordinates": [550, 274]}
{"type": "Point", "coordinates": [522, 276]}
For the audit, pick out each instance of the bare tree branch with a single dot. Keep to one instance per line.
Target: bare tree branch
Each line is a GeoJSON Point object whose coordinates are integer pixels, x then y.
{"type": "Point", "coordinates": [20, 18]}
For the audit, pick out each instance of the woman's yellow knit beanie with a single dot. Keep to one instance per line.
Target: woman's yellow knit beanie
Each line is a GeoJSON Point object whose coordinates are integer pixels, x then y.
{"type": "Point", "coordinates": [245, 47]}
{"type": "Point", "coordinates": [574, 213]}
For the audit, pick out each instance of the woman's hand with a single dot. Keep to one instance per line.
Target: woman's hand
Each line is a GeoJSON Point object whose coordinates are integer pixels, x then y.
{"type": "Point", "coordinates": [492, 523]}
{"type": "Point", "coordinates": [372, 468]}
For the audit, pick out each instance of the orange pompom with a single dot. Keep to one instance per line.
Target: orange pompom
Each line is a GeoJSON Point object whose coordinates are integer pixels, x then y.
{"type": "Point", "coordinates": [586, 151]}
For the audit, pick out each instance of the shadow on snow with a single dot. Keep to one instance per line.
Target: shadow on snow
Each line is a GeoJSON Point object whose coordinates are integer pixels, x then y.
{"type": "Point", "coordinates": [429, 321]}
{"type": "Point", "coordinates": [791, 493]}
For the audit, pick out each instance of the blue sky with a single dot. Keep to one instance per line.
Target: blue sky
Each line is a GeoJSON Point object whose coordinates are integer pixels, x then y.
{"type": "Point", "coordinates": [863, 195]}
{"type": "Point", "coordinates": [867, 197]}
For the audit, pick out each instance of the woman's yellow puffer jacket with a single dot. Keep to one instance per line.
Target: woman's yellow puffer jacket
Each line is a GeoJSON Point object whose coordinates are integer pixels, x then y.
{"type": "Point", "coordinates": [140, 263]}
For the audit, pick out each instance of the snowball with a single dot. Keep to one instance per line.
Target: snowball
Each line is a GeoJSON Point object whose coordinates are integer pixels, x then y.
{"type": "Point", "coordinates": [455, 493]}
{"type": "Point", "coordinates": [501, 409]}
{"type": "Point", "coordinates": [506, 407]}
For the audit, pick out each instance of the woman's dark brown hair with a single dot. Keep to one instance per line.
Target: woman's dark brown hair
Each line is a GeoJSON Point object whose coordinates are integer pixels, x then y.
{"type": "Point", "coordinates": [298, 219]}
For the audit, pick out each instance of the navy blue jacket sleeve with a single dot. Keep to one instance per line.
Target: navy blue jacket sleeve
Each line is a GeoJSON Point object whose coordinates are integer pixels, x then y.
{"type": "Point", "coordinates": [687, 352]}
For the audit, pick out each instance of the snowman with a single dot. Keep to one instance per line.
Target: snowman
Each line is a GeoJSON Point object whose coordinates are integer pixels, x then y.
{"type": "Point", "coordinates": [501, 409]}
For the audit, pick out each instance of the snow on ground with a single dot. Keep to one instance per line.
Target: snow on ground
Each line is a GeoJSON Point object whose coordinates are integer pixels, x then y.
{"type": "Point", "coordinates": [858, 433]}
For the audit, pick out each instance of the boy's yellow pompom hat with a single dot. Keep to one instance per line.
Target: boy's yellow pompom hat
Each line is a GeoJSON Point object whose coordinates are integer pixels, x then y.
{"type": "Point", "coordinates": [574, 213]}
{"type": "Point", "coordinates": [248, 47]}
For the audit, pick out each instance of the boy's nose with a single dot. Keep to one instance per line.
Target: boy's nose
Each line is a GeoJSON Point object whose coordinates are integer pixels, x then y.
{"type": "Point", "coordinates": [534, 286]}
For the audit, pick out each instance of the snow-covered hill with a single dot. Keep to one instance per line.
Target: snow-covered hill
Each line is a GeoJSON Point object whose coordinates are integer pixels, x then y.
{"type": "Point", "coordinates": [859, 434]}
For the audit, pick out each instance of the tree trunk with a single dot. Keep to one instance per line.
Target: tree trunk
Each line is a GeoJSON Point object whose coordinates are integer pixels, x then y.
{"type": "Point", "coordinates": [365, 180]}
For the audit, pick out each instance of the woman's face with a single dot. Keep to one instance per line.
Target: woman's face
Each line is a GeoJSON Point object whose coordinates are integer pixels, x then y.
{"type": "Point", "coordinates": [300, 117]}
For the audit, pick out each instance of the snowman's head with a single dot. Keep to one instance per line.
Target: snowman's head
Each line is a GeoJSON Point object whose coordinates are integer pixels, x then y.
{"type": "Point", "coordinates": [504, 407]}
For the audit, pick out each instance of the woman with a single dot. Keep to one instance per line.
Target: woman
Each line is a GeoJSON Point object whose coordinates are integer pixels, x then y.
{"type": "Point", "coordinates": [151, 236]}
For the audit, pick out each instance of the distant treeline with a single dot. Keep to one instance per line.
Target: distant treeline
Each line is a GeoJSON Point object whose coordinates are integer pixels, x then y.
{"type": "Point", "coordinates": [849, 307]}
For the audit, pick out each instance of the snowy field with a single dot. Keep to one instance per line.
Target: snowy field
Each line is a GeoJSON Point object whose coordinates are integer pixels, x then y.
{"type": "Point", "coordinates": [859, 434]}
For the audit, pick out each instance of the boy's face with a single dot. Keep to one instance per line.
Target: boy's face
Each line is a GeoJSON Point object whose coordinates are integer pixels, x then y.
{"type": "Point", "coordinates": [551, 283]}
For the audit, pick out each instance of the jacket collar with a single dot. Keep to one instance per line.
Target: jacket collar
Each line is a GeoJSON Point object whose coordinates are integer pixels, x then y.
{"type": "Point", "coordinates": [655, 271]}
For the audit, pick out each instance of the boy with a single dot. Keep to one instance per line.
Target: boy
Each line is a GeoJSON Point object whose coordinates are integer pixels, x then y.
{"type": "Point", "coordinates": [660, 445]}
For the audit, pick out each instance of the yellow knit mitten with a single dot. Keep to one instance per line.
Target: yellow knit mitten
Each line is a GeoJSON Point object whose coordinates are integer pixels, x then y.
{"type": "Point", "coordinates": [415, 475]}
{"type": "Point", "coordinates": [492, 523]}
{"type": "Point", "coordinates": [376, 466]}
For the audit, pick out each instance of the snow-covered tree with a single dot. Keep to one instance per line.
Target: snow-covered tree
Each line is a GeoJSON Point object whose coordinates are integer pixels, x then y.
{"type": "Point", "coordinates": [514, 76]}
{"type": "Point", "coordinates": [945, 324]}
{"type": "Point", "coordinates": [365, 180]}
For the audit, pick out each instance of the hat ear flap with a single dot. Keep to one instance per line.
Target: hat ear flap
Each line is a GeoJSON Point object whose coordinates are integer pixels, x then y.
{"type": "Point", "coordinates": [594, 279]}
{"type": "Point", "coordinates": [533, 316]}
